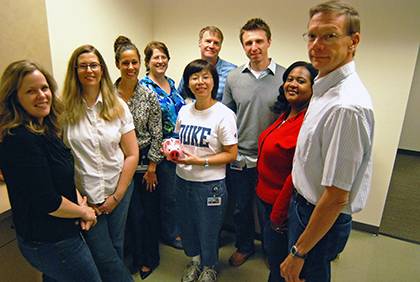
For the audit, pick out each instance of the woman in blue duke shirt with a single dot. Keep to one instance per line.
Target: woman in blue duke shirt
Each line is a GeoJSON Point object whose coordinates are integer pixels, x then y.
{"type": "Point", "coordinates": [156, 61]}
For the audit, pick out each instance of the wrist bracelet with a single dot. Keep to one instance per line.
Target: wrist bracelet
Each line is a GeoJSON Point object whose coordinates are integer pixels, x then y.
{"type": "Point", "coordinates": [115, 198]}
{"type": "Point", "coordinates": [206, 162]}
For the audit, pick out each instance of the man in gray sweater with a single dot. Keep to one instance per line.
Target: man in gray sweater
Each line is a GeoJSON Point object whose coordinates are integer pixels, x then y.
{"type": "Point", "coordinates": [250, 91]}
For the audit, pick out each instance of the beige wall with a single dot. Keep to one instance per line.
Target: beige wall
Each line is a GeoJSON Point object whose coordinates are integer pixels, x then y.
{"type": "Point", "coordinates": [410, 135]}
{"type": "Point", "coordinates": [96, 22]}
{"type": "Point", "coordinates": [385, 58]}
{"type": "Point", "coordinates": [24, 32]}
{"type": "Point", "coordinates": [24, 35]}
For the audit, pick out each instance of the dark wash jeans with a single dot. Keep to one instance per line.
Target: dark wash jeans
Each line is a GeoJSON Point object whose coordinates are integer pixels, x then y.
{"type": "Point", "coordinates": [67, 260]}
{"type": "Point", "coordinates": [143, 225]}
{"type": "Point", "coordinates": [169, 223]}
{"type": "Point", "coordinates": [317, 267]}
{"type": "Point", "coordinates": [275, 243]}
{"type": "Point", "coordinates": [241, 186]}
{"type": "Point", "coordinates": [200, 223]}
{"type": "Point", "coordinates": [106, 242]}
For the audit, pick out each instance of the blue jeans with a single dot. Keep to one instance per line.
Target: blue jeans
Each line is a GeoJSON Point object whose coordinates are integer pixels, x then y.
{"type": "Point", "coordinates": [143, 225]}
{"type": "Point", "coordinates": [201, 223]}
{"type": "Point", "coordinates": [241, 187]}
{"type": "Point", "coordinates": [66, 260]}
{"type": "Point", "coordinates": [166, 185]}
{"type": "Point", "coordinates": [317, 267]}
{"type": "Point", "coordinates": [275, 243]}
{"type": "Point", "coordinates": [106, 242]}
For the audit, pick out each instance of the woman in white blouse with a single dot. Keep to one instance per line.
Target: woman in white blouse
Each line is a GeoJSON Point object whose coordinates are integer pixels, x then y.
{"type": "Point", "coordinates": [99, 129]}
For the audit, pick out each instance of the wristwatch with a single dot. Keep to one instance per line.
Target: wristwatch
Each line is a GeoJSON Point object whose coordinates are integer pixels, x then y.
{"type": "Point", "coordinates": [294, 252]}
{"type": "Point", "coordinates": [206, 162]}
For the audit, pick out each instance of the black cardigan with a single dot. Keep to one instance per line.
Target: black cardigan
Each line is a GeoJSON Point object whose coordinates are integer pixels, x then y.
{"type": "Point", "coordinates": [38, 170]}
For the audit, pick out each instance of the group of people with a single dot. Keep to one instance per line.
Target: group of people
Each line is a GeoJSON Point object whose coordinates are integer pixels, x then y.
{"type": "Point", "coordinates": [85, 170]}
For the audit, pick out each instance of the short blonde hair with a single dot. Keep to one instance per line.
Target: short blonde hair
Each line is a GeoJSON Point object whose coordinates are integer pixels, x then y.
{"type": "Point", "coordinates": [339, 8]}
{"type": "Point", "coordinates": [212, 30]}
{"type": "Point", "coordinates": [75, 109]}
{"type": "Point", "coordinates": [12, 113]}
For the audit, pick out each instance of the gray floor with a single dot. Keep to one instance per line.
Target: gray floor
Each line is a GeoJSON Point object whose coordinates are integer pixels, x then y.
{"type": "Point", "coordinates": [367, 258]}
{"type": "Point", "coordinates": [401, 217]}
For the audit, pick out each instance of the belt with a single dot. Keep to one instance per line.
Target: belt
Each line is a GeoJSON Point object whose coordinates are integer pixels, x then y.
{"type": "Point", "coordinates": [301, 200]}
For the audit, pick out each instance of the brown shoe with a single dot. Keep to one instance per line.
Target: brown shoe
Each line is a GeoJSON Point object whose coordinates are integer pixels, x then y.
{"type": "Point", "coordinates": [238, 258]}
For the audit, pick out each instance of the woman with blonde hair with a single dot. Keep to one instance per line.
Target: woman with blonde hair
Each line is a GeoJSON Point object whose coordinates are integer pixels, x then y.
{"type": "Point", "coordinates": [100, 131]}
{"type": "Point", "coordinates": [38, 170]}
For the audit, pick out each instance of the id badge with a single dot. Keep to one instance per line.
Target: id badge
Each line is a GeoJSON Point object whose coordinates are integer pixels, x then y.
{"type": "Point", "coordinates": [214, 201]}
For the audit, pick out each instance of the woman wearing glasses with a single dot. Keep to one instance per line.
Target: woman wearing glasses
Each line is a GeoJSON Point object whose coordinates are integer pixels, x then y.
{"type": "Point", "coordinates": [156, 60]}
{"type": "Point", "coordinates": [143, 215]}
{"type": "Point", "coordinates": [100, 131]}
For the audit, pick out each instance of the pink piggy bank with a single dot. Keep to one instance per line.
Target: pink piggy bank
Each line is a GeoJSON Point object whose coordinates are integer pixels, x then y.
{"type": "Point", "coordinates": [172, 149]}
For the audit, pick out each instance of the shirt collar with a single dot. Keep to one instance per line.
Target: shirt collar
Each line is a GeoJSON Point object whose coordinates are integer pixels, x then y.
{"type": "Point", "coordinates": [99, 101]}
{"type": "Point", "coordinates": [322, 84]}
{"type": "Point", "coordinates": [148, 80]}
{"type": "Point", "coordinates": [271, 67]}
{"type": "Point", "coordinates": [219, 63]}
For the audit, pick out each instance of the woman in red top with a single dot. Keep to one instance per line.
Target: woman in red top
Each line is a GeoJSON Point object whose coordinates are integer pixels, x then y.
{"type": "Point", "coordinates": [276, 147]}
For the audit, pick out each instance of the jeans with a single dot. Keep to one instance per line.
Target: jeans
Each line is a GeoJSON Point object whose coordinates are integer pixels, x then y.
{"type": "Point", "coordinates": [241, 187]}
{"type": "Point", "coordinates": [106, 241]}
{"type": "Point", "coordinates": [317, 267]}
{"type": "Point", "coordinates": [201, 222]}
{"type": "Point", "coordinates": [143, 225]}
{"type": "Point", "coordinates": [166, 185]}
{"type": "Point", "coordinates": [275, 243]}
{"type": "Point", "coordinates": [67, 260]}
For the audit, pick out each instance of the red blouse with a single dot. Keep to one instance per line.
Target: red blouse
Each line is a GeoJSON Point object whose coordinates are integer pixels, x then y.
{"type": "Point", "coordinates": [276, 147]}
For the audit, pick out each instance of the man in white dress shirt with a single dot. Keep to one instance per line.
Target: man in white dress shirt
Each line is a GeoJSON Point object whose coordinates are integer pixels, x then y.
{"type": "Point", "coordinates": [332, 167]}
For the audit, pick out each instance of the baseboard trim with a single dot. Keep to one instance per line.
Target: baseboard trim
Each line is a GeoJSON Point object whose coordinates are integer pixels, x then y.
{"type": "Point", "coordinates": [5, 215]}
{"type": "Point", "coordinates": [408, 152]}
{"type": "Point", "coordinates": [400, 238]}
{"type": "Point", "coordinates": [365, 227]}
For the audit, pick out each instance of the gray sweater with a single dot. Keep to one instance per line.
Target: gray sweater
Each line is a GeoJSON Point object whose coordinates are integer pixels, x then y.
{"type": "Point", "coordinates": [251, 98]}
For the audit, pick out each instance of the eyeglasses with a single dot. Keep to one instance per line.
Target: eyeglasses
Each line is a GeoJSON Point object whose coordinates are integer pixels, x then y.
{"type": "Point", "coordinates": [92, 66]}
{"type": "Point", "coordinates": [326, 38]}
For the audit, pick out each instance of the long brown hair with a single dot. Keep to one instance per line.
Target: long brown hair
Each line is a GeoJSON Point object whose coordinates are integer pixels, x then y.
{"type": "Point", "coordinates": [12, 114]}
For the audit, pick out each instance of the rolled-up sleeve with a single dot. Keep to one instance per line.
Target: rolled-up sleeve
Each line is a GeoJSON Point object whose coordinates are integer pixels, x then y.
{"type": "Point", "coordinates": [346, 140]}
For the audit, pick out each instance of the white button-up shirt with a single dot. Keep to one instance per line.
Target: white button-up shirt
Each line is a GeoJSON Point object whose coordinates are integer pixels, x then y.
{"type": "Point", "coordinates": [334, 146]}
{"type": "Point", "coordinates": [95, 144]}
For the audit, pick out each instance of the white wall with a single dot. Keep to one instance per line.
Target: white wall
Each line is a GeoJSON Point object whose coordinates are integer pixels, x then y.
{"type": "Point", "coordinates": [96, 22]}
{"type": "Point", "coordinates": [410, 135]}
{"type": "Point", "coordinates": [385, 58]}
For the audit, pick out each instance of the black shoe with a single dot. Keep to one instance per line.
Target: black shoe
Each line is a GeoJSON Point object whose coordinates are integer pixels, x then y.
{"type": "Point", "coordinates": [145, 274]}
{"type": "Point", "coordinates": [177, 244]}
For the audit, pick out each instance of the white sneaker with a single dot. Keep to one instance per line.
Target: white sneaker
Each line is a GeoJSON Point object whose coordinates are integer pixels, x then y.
{"type": "Point", "coordinates": [191, 272]}
{"type": "Point", "coordinates": [208, 275]}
